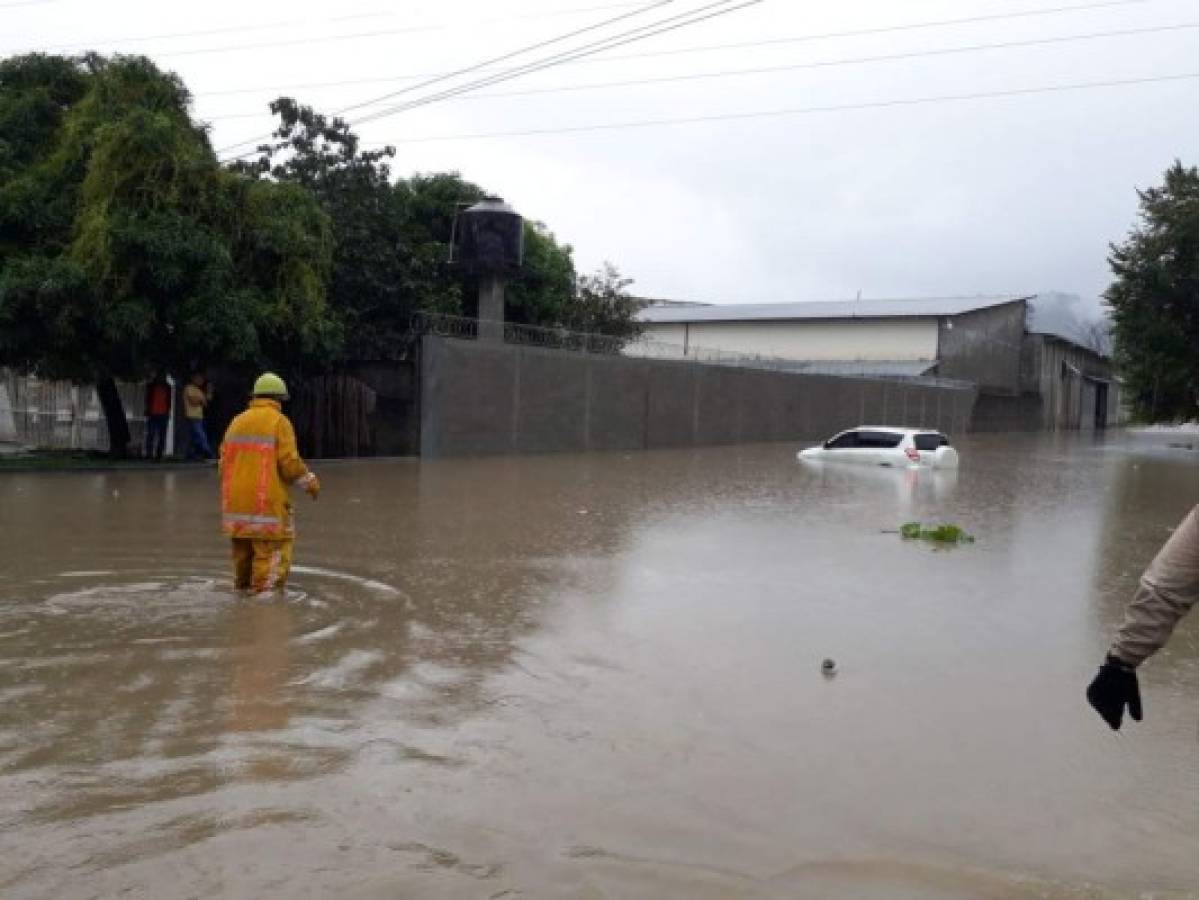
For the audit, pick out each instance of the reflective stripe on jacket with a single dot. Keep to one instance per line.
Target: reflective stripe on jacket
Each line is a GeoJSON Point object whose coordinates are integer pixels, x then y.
{"type": "Point", "coordinates": [1167, 591]}
{"type": "Point", "coordinates": [259, 460]}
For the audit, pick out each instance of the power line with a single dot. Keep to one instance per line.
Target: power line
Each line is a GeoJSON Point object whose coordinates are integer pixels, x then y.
{"type": "Point", "coordinates": [861, 60]}
{"type": "Point", "coordinates": [466, 70]}
{"type": "Point", "coordinates": [765, 70]}
{"type": "Point", "coordinates": [234, 29]}
{"type": "Point", "coordinates": [521, 52]}
{"type": "Point", "coordinates": [636, 34]}
{"type": "Point", "coordinates": [806, 110]}
{"type": "Point", "coordinates": [566, 57]}
{"type": "Point", "coordinates": [939, 23]}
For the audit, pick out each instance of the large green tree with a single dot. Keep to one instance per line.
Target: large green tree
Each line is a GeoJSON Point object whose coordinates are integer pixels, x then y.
{"type": "Point", "coordinates": [125, 246]}
{"type": "Point", "coordinates": [392, 239]}
{"type": "Point", "coordinates": [1154, 300]}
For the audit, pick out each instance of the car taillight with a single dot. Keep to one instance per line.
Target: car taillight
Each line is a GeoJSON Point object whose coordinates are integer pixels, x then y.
{"type": "Point", "coordinates": [913, 454]}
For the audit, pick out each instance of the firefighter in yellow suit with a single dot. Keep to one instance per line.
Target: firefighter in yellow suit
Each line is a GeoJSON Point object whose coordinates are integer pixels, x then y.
{"type": "Point", "coordinates": [259, 460]}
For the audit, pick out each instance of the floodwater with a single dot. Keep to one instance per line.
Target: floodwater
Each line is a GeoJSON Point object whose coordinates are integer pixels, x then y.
{"type": "Point", "coordinates": [599, 676]}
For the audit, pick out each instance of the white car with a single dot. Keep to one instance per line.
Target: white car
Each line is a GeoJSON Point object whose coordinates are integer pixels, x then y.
{"type": "Point", "coordinates": [893, 447]}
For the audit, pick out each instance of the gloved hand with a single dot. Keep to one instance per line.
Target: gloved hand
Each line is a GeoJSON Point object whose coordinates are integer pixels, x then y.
{"type": "Point", "coordinates": [1115, 686]}
{"type": "Point", "coordinates": [312, 485]}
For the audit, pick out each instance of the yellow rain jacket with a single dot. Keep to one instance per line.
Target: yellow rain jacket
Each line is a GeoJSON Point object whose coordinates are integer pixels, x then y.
{"type": "Point", "coordinates": [259, 460]}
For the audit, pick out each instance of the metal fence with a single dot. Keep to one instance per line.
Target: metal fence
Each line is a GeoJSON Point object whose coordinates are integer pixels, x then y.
{"type": "Point", "coordinates": [643, 348]}
{"type": "Point", "coordinates": [58, 415]}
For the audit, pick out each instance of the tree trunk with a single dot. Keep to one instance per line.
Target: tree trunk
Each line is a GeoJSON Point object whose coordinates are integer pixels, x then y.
{"type": "Point", "coordinates": [114, 417]}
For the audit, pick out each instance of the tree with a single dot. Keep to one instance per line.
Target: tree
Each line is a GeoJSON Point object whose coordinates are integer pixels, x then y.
{"type": "Point", "coordinates": [124, 246]}
{"type": "Point", "coordinates": [602, 305]}
{"type": "Point", "coordinates": [370, 280]}
{"type": "Point", "coordinates": [1154, 299]}
{"type": "Point", "coordinates": [392, 239]}
{"type": "Point", "coordinates": [544, 290]}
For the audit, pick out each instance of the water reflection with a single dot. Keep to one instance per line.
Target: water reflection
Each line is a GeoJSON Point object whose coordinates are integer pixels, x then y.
{"type": "Point", "coordinates": [261, 661]}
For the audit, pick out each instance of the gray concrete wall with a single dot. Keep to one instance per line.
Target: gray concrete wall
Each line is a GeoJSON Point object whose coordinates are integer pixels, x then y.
{"type": "Point", "coordinates": [488, 398]}
{"type": "Point", "coordinates": [984, 346]}
{"type": "Point", "coordinates": [1000, 412]}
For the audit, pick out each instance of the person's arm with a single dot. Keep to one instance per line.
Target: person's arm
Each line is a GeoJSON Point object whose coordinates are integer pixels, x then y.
{"type": "Point", "coordinates": [1168, 590]}
{"type": "Point", "coordinates": [292, 468]}
{"type": "Point", "coordinates": [1166, 593]}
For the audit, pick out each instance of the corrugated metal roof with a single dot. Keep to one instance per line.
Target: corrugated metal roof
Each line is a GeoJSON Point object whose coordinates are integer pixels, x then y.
{"type": "Point", "coordinates": [836, 309]}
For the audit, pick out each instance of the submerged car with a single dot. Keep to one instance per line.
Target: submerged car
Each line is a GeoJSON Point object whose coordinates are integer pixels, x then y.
{"type": "Point", "coordinates": [893, 447]}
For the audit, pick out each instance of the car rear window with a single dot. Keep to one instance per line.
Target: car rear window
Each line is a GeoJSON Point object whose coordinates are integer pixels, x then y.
{"type": "Point", "coordinates": [879, 439]}
{"type": "Point", "coordinates": [929, 442]}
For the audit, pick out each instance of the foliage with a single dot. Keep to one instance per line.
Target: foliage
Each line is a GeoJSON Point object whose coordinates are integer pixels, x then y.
{"type": "Point", "coordinates": [124, 246]}
{"type": "Point", "coordinates": [392, 241]}
{"type": "Point", "coordinates": [938, 534]}
{"type": "Point", "coordinates": [544, 291]}
{"type": "Point", "coordinates": [603, 305]}
{"type": "Point", "coordinates": [1154, 300]}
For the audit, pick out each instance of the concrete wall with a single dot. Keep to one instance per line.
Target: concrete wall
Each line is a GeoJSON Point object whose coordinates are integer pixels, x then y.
{"type": "Point", "coordinates": [984, 346]}
{"type": "Point", "coordinates": [1002, 412]}
{"type": "Point", "coordinates": [866, 339]}
{"type": "Point", "coordinates": [479, 397]}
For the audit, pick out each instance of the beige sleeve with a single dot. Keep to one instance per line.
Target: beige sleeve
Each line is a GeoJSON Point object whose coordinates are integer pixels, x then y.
{"type": "Point", "coordinates": [1168, 590]}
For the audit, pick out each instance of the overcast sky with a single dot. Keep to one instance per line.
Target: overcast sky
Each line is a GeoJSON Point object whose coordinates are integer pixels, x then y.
{"type": "Point", "coordinates": [1015, 194]}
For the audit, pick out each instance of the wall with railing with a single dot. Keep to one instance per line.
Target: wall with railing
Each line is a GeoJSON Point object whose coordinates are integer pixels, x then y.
{"type": "Point", "coordinates": [491, 396]}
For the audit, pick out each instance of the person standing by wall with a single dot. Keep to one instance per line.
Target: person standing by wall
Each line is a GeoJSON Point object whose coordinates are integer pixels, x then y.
{"type": "Point", "coordinates": [259, 461]}
{"type": "Point", "coordinates": [196, 397]}
{"type": "Point", "coordinates": [1167, 591]}
{"type": "Point", "coordinates": [158, 415]}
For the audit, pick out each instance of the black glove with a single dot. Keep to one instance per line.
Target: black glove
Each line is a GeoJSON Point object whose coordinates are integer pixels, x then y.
{"type": "Point", "coordinates": [1114, 686]}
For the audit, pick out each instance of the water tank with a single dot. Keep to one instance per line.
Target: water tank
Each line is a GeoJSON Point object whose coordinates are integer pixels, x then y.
{"type": "Point", "coordinates": [490, 238]}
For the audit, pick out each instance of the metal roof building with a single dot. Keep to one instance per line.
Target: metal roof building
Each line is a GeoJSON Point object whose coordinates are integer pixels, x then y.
{"type": "Point", "coordinates": [974, 339]}
{"type": "Point", "coordinates": [934, 307]}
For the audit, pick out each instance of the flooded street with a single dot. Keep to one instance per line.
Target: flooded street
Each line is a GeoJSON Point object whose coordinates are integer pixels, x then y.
{"type": "Point", "coordinates": [599, 676]}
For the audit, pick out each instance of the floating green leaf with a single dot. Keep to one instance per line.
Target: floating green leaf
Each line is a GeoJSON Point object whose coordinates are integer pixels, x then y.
{"type": "Point", "coordinates": [939, 534]}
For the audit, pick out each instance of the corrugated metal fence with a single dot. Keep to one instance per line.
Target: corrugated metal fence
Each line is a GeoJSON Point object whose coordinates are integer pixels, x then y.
{"type": "Point", "coordinates": [58, 415]}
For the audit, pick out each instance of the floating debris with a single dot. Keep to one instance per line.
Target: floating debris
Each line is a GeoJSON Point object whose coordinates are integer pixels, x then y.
{"type": "Point", "coordinates": [828, 668]}
{"type": "Point", "coordinates": [938, 534]}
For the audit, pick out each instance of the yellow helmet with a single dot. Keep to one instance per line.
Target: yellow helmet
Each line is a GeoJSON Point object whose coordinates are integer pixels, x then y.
{"type": "Point", "coordinates": [270, 385]}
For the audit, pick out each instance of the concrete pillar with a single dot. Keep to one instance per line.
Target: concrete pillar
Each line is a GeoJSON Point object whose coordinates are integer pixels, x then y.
{"type": "Point", "coordinates": [491, 308]}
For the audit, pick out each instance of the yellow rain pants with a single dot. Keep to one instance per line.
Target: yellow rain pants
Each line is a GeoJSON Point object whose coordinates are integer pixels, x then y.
{"type": "Point", "coordinates": [261, 565]}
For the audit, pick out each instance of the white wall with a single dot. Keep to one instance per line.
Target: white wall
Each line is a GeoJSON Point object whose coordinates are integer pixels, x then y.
{"type": "Point", "coordinates": [865, 340]}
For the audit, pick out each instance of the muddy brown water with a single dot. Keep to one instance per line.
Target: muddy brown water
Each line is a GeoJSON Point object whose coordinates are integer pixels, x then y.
{"type": "Point", "coordinates": [599, 676]}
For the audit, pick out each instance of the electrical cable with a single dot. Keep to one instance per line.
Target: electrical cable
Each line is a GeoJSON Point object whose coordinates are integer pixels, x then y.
{"type": "Point", "coordinates": [440, 78]}
{"type": "Point", "coordinates": [468, 69]}
{"type": "Point", "coordinates": [860, 60]}
{"type": "Point", "coordinates": [765, 70]}
{"type": "Point", "coordinates": [806, 110]}
{"type": "Point", "coordinates": [661, 26]}
{"type": "Point", "coordinates": [234, 29]}
{"type": "Point", "coordinates": [939, 23]}
{"type": "Point", "coordinates": [552, 62]}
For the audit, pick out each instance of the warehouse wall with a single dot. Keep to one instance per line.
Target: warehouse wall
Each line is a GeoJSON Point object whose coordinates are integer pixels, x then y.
{"type": "Point", "coordinates": [861, 339]}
